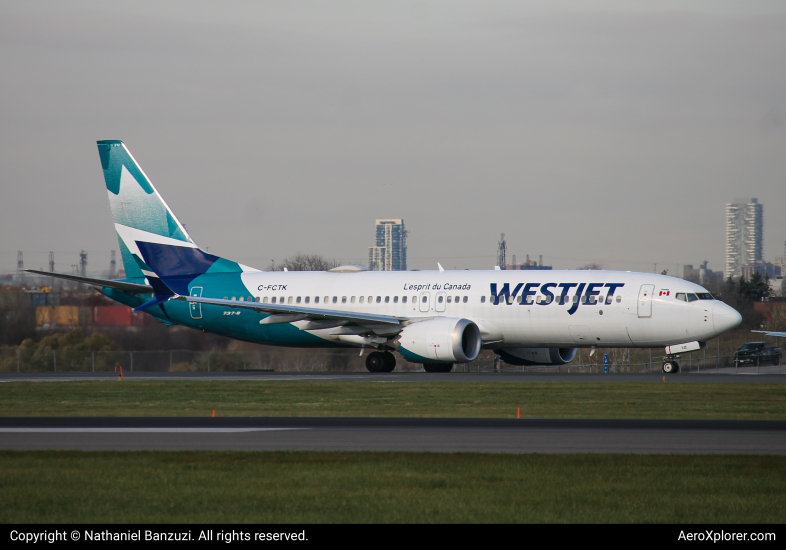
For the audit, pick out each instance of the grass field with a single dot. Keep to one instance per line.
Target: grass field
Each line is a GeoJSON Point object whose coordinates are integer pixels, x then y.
{"type": "Point", "coordinates": [396, 399]}
{"type": "Point", "coordinates": [294, 487]}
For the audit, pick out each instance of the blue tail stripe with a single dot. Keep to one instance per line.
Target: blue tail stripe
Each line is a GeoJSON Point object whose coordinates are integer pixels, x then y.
{"type": "Point", "coordinates": [168, 261]}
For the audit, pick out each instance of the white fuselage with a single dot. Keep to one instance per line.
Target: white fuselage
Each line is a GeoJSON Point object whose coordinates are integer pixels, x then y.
{"type": "Point", "coordinates": [540, 308]}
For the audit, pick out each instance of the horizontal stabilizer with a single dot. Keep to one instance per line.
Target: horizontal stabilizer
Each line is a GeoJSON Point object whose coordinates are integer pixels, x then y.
{"type": "Point", "coordinates": [154, 302]}
{"type": "Point", "coordinates": [133, 288]}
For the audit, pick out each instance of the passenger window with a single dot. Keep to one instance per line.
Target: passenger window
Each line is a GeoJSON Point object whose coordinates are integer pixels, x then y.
{"type": "Point", "coordinates": [362, 298]}
{"type": "Point", "coordinates": [457, 299]}
{"type": "Point", "coordinates": [289, 300]}
{"type": "Point", "coordinates": [343, 299]}
{"type": "Point", "coordinates": [274, 299]}
{"type": "Point", "coordinates": [379, 299]}
{"type": "Point", "coordinates": [404, 299]}
{"type": "Point", "coordinates": [425, 299]}
{"type": "Point", "coordinates": [327, 299]}
{"type": "Point", "coordinates": [619, 299]}
{"type": "Point", "coordinates": [241, 299]}
{"type": "Point", "coordinates": [352, 300]}
{"type": "Point", "coordinates": [608, 300]}
{"type": "Point", "coordinates": [537, 300]}
{"type": "Point", "coordinates": [264, 300]}
{"type": "Point", "coordinates": [575, 299]}
{"type": "Point", "coordinates": [387, 299]}
{"type": "Point", "coordinates": [439, 299]}
{"type": "Point", "coordinates": [298, 300]}
{"type": "Point", "coordinates": [450, 298]}
{"type": "Point", "coordinates": [335, 299]}
{"type": "Point", "coordinates": [681, 296]}
{"type": "Point", "coordinates": [465, 299]}
{"type": "Point", "coordinates": [370, 299]}
{"type": "Point", "coordinates": [692, 297]}
{"type": "Point", "coordinates": [395, 299]}
{"type": "Point", "coordinates": [482, 299]}
{"type": "Point", "coordinates": [316, 299]}
{"type": "Point", "coordinates": [308, 299]}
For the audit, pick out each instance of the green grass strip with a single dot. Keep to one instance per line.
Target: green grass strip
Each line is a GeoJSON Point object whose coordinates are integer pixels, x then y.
{"type": "Point", "coordinates": [296, 487]}
{"type": "Point", "coordinates": [396, 399]}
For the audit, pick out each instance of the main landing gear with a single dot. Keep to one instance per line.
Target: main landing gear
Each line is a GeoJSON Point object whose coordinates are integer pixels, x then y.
{"type": "Point", "coordinates": [438, 367]}
{"type": "Point", "coordinates": [380, 361]}
{"type": "Point", "coordinates": [670, 366]}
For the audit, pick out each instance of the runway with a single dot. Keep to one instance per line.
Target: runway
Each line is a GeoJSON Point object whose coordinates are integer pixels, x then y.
{"type": "Point", "coordinates": [397, 434]}
{"type": "Point", "coordinates": [394, 377]}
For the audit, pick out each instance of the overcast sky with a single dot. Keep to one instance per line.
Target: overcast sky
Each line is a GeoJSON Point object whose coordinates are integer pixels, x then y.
{"type": "Point", "coordinates": [608, 132]}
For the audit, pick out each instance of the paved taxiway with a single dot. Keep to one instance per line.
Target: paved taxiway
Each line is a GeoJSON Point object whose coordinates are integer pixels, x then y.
{"type": "Point", "coordinates": [394, 434]}
{"type": "Point", "coordinates": [395, 377]}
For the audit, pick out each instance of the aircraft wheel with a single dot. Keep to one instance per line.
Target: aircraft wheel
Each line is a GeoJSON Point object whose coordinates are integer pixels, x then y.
{"type": "Point", "coordinates": [438, 367]}
{"type": "Point", "coordinates": [668, 367]}
{"type": "Point", "coordinates": [676, 366]}
{"type": "Point", "coordinates": [375, 362]}
{"type": "Point", "coordinates": [390, 362]}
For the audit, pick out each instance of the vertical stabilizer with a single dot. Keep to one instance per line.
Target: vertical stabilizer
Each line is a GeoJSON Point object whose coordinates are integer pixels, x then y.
{"type": "Point", "coordinates": [139, 212]}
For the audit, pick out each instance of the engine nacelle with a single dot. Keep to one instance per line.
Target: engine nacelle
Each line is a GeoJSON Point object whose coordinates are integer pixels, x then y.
{"type": "Point", "coordinates": [441, 340]}
{"type": "Point", "coordinates": [537, 356]}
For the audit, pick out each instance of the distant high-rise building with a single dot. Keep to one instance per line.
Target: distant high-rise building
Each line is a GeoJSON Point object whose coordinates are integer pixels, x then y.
{"type": "Point", "coordinates": [390, 252]}
{"type": "Point", "coordinates": [744, 235]}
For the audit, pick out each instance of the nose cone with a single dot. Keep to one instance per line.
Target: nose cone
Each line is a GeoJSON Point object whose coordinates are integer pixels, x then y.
{"type": "Point", "coordinates": [725, 317]}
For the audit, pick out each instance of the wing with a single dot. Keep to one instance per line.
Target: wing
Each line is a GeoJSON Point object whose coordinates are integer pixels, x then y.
{"type": "Point", "coordinates": [133, 288]}
{"type": "Point", "coordinates": [280, 313]}
{"type": "Point", "coordinates": [767, 333]}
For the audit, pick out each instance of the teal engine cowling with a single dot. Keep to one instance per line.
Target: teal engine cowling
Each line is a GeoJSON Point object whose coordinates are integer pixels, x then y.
{"type": "Point", "coordinates": [441, 340]}
{"type": "Point", "coordinates": [537, 356]}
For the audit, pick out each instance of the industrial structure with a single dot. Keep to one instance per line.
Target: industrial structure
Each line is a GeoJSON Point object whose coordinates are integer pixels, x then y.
{"type": "Point", "coordinates": [502, 249]}
{"type": "Point", "coordinates": [390, 252]}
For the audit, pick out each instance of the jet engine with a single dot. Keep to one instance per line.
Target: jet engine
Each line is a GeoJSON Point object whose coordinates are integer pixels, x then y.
{"type": "Point", "coordinates": [537, 356]}
{"type": "Point", "coordinates": [445, 339]}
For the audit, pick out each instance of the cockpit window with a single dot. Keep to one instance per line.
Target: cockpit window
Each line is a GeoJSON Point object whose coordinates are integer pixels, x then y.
{"type": "Point", "coordinates": [692, 297]}
{"type": "Point", "coordinates": [704, 296]}
{"type": "Point", "coordinates": [681, 296]}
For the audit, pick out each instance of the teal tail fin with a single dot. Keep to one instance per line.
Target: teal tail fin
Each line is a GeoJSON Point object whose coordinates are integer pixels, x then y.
{"type": "Point", "coordinates": [139, 212]}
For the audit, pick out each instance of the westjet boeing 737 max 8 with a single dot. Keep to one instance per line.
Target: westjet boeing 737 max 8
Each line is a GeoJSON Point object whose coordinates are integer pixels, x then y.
{"type": "Point", "coordinates": [437, 318]}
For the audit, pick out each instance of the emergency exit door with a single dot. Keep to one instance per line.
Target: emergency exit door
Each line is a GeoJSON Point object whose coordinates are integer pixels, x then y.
{"type": "Point", "coordinates": [424, 301]}
{"type": "Point", "coordinates": [196, 309]}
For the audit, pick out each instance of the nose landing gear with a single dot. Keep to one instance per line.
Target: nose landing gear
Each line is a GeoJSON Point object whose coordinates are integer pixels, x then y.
{"type": "Point", "coordinates": [670, 366]}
